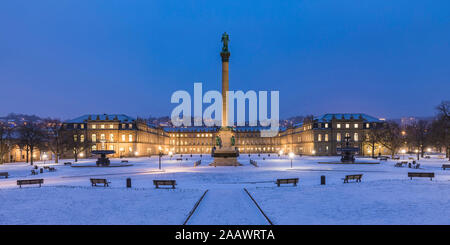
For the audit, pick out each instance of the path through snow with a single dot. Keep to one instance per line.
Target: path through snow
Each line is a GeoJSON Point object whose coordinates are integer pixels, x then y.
{"type": "Point", "coordinates": [231, 206]}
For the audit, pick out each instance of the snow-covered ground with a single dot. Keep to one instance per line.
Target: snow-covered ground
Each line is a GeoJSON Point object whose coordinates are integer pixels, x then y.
{"type": "Point", "coordinates": [385, 196]}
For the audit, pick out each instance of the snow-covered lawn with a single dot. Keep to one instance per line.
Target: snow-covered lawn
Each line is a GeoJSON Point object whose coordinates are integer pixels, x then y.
{"type": "Point", "coordinates": [385, 196]}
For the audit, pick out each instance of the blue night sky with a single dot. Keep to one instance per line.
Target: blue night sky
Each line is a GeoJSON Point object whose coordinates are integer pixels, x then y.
{"type": "Point", "coordinates": [65, 58]}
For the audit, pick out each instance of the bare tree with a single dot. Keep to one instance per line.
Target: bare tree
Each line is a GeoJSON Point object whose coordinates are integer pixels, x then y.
{"type": "Point", "coordinates": [390, 137]}
{"type": "Point", "coordinates": [371, 138]}
{"type": "Point", "coordinates": [54, 137]}
{"type": "Point", "coordinates": [5, 140]}
{"type": "Point", "coordinates": [76, 143]}
{"type": "Point", "coordinates": [442, 126]}
{"type": "Point", "coordinates": [31, 136]}
{"type": "Point", "coordinates": [418, 136]}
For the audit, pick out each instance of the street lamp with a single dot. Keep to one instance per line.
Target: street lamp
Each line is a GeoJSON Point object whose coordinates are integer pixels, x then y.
{"type": "Point", "coordinates": [45, 157]}
{"type": "Point", "coordinates": [291, 156]}
{"type": "Point", "coordinates": [160, 155]}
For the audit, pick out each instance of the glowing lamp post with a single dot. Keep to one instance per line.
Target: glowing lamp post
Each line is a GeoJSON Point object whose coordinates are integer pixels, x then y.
{"type": "Point", "coordinates": [44, 157]}
{"type": "Point", "coordinates": [291, 156]}
{"type": "Point", "coordinates": [160, 155]}
{"type": "Point", "coordinates": [403, 152]}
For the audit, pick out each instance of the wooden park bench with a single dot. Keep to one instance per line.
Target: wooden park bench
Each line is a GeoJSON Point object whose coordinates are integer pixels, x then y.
{"type": "Point", "coordinates": [254, 163]}
{"type": "Point", "coordinates": [34, 172]}
{"type": "Point", "coordinates": [51, 169]}
{"type": "Point", "coordinates": [383, 158]}
{"type": "Point", "coordinates": [410, 158]}
{"type": "Point", "coordinates": [356, 177]}
{"type": "Point", "coordinates": [445, 166]}
{"type": "Point", "coordinates": [399, 165]}
{"type": "Point", "coordinates": [417, 166]}
{"type": "Point", "coordinates": [197, 163]}
{"type": "Point", "coordinates": [396, 158]}
{"type": "Point", "coordinates": [287, 181]}
{"type": "Point", "coordinates": [105, 182]}
{"type": "Point", "coordinates": [46, 167]}
{"type": "Point", "coordinates": [423, 175]}
{"type": "Point", "coordinates": [67, 163]}
{"type": "Point", "coordinates": [124, 161]}
{"type": "Point", "coordinates": [179, 159]}
{"type": "Point", "coordinates": [30, 182]}
{"type": "Point", "coordinates": [157, 183]}
{"type": "Point", "coordinates": [428, 157]}
{"type": "Point", "coordinates": [4, 174]}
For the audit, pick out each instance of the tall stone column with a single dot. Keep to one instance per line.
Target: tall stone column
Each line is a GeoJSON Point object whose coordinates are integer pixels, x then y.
{"type": "Point", "coordinates": [225, 82]}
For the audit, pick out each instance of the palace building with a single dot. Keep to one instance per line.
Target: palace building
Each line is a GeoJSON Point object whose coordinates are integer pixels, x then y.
{"type": "Point", "coordinates": [133, 137]}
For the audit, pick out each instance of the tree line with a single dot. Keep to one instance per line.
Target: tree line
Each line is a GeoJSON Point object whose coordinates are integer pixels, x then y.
{"type": "Point", "coordinates": [47, 135]}
{"type": "Point", "coordinates": [415, 137]}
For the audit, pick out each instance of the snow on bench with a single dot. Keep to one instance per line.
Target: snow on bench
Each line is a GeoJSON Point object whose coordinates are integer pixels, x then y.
{"type": "Point", "coordinates": [4, 174]}
{"type": "Point", "coordinates": [356, 177]}
{"type": "Point", "coordinates": [157, 183]}
{"type": "Point", "coordinates": [30, 182]}
{"type": "Point", "coordinates": [445, 166]}
{"type": "Point", "coordinates": [105, 182]}
{"type": "Point", "coordinates": [287, 181]}
{"type": "Point", "coordinates": [422, 175]}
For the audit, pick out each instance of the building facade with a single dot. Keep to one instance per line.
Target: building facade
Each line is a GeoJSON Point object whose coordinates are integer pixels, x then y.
{"type": "Point", "coordinates": [130, 137]}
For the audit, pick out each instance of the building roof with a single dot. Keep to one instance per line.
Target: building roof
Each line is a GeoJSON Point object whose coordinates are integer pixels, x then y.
{"type": "Point", "coordinates": [346, 116]}
{"type": "Point", "coordinates": [102, 117]}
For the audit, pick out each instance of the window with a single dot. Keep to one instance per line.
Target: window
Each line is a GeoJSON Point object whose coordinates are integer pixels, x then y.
{"type": "Point", "coordinates": [75, 138]}
{"type": "Point", "coordinates": [94, 126]}
{"type": "Point", "coordinates": [130, 125]}
{"type": "Point", "coordinates": [111, 137]}
{"type": "Point", "coordinates": [356, 125]}
{"type": "Point", "coordinates": [123, 137]}
{"type": "Point", "coordinates": [338, 137]}
{"type": "Point", "coordinates": [102, 137]}
{"type": "Point", "coordinates": [338, 125]}
{"type": "Point", "coordinates": [347, 125]}
{"type": "Point", "coordinates": [326, 125]}
{"type": "Point", "coordinates": [326, 137]}
{"type": "Point", "coordinates": [355, 137]}
{"type": "Point", "coordinates": [82, 138]}
{"type": "Point", "coordinates": [130, 138]}
{"type": "Point", "coordinates": [94, 138]}
{"type": "Point", "coordinates": [111, 126]}
{"type": "Point", "coordinates": [82, 126]}
{"type": "Point", "coordinates": [102, 126]}
{"type": "Point", "coordinates": [319, 137]}
{"type": "Point", "coordinates": [130, 149]}
{"type": "Point", "coordinates": [123, 125]}
{"type": "Point", "coordinates": [75, 125]}
{"type": "Point", "coordinates": [367, 125]}
{"type": "Point", "coordinates": [94, 147]}
{"type": "Point", "coordinates": [111, 147]}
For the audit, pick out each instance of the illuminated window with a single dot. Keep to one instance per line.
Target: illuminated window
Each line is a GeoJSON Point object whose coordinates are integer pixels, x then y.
{"type": "Point", "coordinates": [326, 137]}
{"type": "Point", "coordinates": [319, 137]}
{"type": "Point", "coordinates": [356, 125]}
{"type": "Point", "coordinates": [75, 138]}
{"type": "Point", "coordinates": [338, 137]}
{"type": "Point", "coordinates": [130, 149]}
{"type": "Point", "coordinates": [111, 147]}
{"type": "Point", "coordinates": [82, 138]}
{"type": "Point", "coordinates": [338, 125]}
{"type": "Point", "coordinates": [130, 138]}
{"type": "Point", "coordinates": [94, 126]}
{"type": "Point", "coordinates": [102, 136]}
{"type": "Point", "coordinates": [102, 126]}
{"type": "Point", "coordinates": [94, 137]}
{"type": "Point", "coordinates": [94, 147]}
{"type": "Point", "coordinates": [367, 125]}
{"type": "Point", "coordinates": [111, 137]}
{"type": "Point", "coordinates": [356, 137]}
{"type": "Point", "coordinates": [347, 125]}
{"type": "Point", "coordinates": [326, 125]}
{"type": "Point", "coordinates": [82, 126]}
{"type": "Point", "coordinates": [111, 126]}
